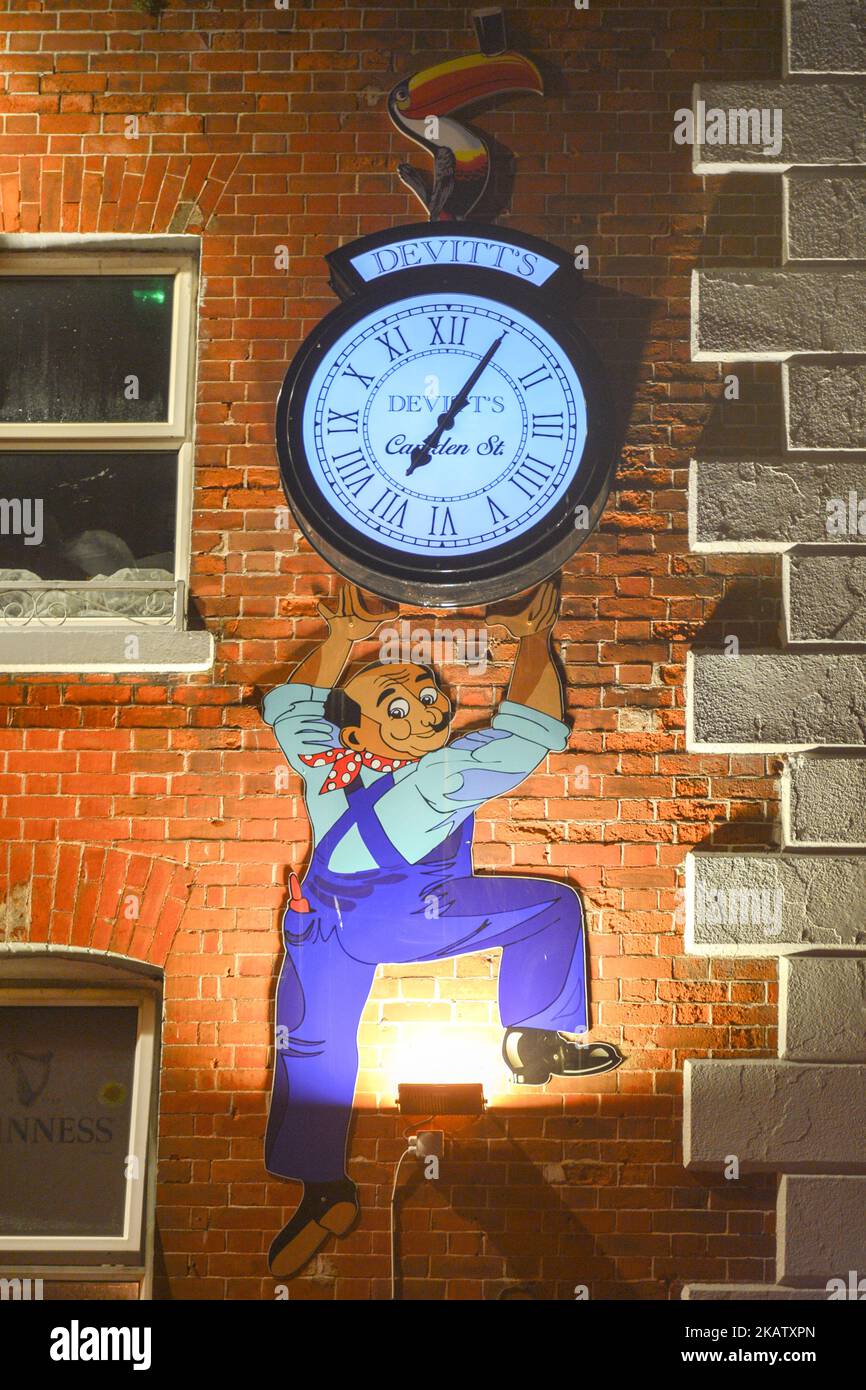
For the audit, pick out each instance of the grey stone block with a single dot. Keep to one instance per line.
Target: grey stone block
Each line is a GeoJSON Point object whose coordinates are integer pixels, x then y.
{"type": "Point", "coordinates": [824, 801]}
{"type": "Point", "coordinates": [824, 216]}
{"type": "Point", "coordinates": [751, 1293]}
{"type": "Point", "coordinates": [822, 1009]}
{"type": "Point", "coordinates": [826, 36]}
{"type": "Point", "coordinates": [773, 702]}
{"type": "Point", "coordinates": [771, 904]}
{"type": "Point", "coordinates": [825, 405]}
{"type": "Point", "coordinates": [825, 598]}
{"type": "Point", "coordinates": [774, 1116]}
{"type": "Point", "coordinates": [822, 123]}
{"type": "Point", "coordinates": [769, 504]}
{"type": "Point", "coordinates": [821, 1229]}
{"type": "Point", "coordinates": [770, 314]}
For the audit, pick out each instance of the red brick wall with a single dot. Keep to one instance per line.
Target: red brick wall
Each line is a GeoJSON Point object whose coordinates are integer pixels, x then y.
{"type": "Point", "coordinates": [261, 127]}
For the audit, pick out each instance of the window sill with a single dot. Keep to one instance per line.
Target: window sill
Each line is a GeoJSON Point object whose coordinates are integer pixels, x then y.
{"type": "Point", "coordinates": [104, 650]}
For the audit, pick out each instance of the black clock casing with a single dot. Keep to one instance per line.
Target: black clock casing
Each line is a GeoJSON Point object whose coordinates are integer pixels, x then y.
{"type": "Point", "coordinates": [447, 266]}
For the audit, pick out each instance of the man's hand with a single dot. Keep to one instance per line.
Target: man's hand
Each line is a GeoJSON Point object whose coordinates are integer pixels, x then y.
{"type": "Point", "coordinates": [349, 620]}
{"type": "Point", "coordinates": [536, 613]}
{"type": "Point", "coordinates": [535, 679]}
{"type": "Point", "coordinates": [349, 617]}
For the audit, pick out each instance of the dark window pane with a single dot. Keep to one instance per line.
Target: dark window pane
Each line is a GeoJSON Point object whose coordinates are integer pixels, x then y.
{"type": "Point", "coordinates": [66, 1079]}
{"type": "Point", "coordinates": [100, 513]}
{"type": "Point", "coordinates": [69, 343]}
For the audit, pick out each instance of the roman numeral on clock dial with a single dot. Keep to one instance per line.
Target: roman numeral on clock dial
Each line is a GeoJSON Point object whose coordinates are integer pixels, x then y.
{"type": "Point", "coordinates": [534, 378]}
{"type": "Point", "coordinates": [353, 470]}
{"type": "Point", "coordinates": [547, 426]}
{"type": "Point", "coordinates": [359, 376]}
{"type": "Point", "coordinates": [531, 476]}
{"type": "Point", "coordinates": [394, 341]}
{"type": "Point", "coordinates": [391, 508]}
{"type": "Point", "coordinates": [349, 427]}
{"type": "Point", "coordinates": [452, 334]}
{"type": "Point", "coordinates": [442, 522]}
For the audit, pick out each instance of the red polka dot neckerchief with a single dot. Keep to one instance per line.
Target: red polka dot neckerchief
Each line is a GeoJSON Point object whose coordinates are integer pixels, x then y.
{"type": "Point", "coordinates": [346, 764]}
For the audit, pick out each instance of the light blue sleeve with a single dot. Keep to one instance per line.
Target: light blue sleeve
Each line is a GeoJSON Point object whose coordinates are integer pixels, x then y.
{"type": "Point", "coordinates": [491, 762]}
{"type": "Point", "coordinates": [297, 715]}
{"type": "Point", "coordinates": [433, 796]}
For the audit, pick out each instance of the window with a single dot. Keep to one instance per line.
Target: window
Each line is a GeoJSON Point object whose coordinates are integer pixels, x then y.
{"type": "Point", "coordinates": [77, 1088]}
{"type": "Point", "coordinates": [97, 365]}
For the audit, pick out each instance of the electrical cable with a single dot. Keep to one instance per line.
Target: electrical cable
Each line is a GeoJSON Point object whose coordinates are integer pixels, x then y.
{"type": "Point", "coordinates": [407, 1153]}
{"type": "Point", "coordinates": [416, 1125]}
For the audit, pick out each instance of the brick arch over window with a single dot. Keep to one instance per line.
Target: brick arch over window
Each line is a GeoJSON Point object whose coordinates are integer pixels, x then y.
{"type": "Point", "coordinates": [114, 192]}
{"type": "Point", "coordinates": [95, 897]}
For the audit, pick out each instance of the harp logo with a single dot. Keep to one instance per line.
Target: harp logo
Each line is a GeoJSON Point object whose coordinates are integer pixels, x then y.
{"type": "Point", "coordinates": [32, 1070]}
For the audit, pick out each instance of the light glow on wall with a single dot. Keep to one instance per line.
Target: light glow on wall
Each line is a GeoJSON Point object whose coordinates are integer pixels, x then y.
{"type": "Point", "coordinates": [427, 1052]}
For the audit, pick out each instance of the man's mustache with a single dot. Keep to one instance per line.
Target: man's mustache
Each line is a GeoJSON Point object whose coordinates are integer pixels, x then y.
{"type": "Point", "coordinates": [432, 729]}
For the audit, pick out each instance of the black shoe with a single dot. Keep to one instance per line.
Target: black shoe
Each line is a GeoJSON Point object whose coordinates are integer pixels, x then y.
{"type": "Point", "coordinates": [326, 1209]}
{"type": "Point", "coordinates": [534, 1055]}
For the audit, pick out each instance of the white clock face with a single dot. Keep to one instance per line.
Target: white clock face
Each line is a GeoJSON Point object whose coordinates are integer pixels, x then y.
{"type": "Point", "coordinates": [441, 426]}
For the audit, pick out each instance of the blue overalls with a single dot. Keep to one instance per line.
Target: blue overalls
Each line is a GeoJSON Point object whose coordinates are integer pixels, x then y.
{"type": "Point", "coordinates": [396, 913]}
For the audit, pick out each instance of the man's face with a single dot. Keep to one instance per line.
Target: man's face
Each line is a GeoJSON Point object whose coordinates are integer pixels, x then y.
{"type": "Point", "coordinates": [403, 712]}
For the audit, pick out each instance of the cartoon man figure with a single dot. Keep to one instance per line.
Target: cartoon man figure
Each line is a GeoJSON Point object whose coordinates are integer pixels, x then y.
{"type": "Point", "coordinates": [392, 805]}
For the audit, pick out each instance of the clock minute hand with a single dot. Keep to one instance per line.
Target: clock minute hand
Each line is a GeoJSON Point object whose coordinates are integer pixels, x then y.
{"type": "Point", "coordinates": [462, 398]}
{"type": "Point", "coordinates": [423, 453]}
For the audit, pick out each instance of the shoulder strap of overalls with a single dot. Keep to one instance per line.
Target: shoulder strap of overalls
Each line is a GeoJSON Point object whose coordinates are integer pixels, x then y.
{"type": "Point", "coordinates": [359, 812]}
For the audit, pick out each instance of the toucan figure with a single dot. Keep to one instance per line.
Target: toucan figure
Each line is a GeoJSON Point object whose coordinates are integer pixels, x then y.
{"type": "Point", "coordinates": [422, 105]}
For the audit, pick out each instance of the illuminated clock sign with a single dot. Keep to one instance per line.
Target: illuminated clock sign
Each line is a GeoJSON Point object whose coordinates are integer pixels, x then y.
{"type": "Point", "coordinates": [444, 435]}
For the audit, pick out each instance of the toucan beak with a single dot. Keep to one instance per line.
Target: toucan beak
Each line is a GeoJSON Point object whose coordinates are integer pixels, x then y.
{"type": "Point", "coordinates": [462, 82]}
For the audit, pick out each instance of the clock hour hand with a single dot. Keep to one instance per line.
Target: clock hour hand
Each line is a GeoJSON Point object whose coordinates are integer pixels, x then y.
{"type": "Point", "coordinates": [423, 453]}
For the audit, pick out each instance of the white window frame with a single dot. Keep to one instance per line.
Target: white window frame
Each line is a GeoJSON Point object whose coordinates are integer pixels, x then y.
{"type": "Point", "coordinates": [70, 646]}
{"type": "Point", "coordinates": [171, 433]}
{"type": "Point", "coordinates": [131, 1242]}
